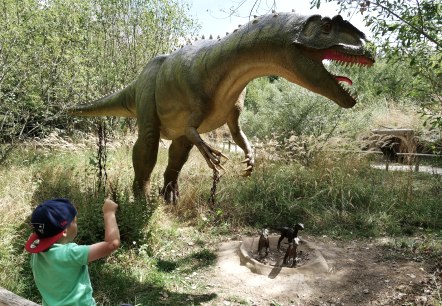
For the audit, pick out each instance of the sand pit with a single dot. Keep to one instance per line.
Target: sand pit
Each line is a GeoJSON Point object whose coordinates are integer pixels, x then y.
{"type": "Point", "coordinates": [310, 259]}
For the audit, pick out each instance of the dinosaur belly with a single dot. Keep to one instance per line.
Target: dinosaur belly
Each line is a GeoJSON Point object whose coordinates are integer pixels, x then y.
{"type": "Point", "coordinates": [170, 134]}
{"type": "Point", "coordinates": [172, 131]}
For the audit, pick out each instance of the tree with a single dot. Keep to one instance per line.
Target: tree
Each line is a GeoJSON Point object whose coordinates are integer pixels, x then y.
{"type": "Point", "coordinates": [56, 53]}
{"type": "Point", "coordinates": [411, 32]}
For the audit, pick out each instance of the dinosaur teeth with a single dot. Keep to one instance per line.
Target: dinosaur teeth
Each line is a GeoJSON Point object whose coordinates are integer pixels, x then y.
{"type": "Point", "coordinates": [349, 90]}
{"type": "Point", "coordinates": [350, 59]}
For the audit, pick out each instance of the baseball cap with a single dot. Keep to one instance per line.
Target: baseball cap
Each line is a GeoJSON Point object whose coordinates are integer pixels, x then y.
{"type": "Point", "coordinates": [48, 222]}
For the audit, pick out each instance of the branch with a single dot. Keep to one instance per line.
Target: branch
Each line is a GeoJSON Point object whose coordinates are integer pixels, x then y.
{"type": "Point", "coordinates": [409, 24]}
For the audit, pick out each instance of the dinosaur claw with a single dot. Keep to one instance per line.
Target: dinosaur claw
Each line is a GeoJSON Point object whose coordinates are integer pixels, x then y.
{"type": "Point", "coordinates": [212, 165]}
{"type": "Point", "coordinates": [216, 165]}
{"type": "Point", "coordinates": [247, 171]}
{"type": "Point", "coordinates": [245, 161]}
{"type": "Point", "coordinates": [213, 156]}
{"type": "Point", "coordinates": [225, 156]}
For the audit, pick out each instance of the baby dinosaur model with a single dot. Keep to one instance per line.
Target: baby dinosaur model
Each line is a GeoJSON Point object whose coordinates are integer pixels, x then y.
{"type": "Point", "coordinates": [263, 242]}
{"type": "Point", "coordinates": [201, 86]}
{"type": "Point", "coordinates": [289, 232]}
{"type": "Point", "coordinates": [292, 252]}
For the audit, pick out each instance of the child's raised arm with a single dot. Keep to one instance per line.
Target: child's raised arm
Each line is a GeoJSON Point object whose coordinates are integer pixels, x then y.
{"type": "Point", "coordinates": [111, 233]}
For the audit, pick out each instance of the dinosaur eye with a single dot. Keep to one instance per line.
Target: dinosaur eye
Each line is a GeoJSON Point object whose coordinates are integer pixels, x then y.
{"type": "Point", "coordinates": [326, 27]}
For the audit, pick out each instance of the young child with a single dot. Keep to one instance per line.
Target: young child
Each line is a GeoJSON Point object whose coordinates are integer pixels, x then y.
{"type": "Point", "coordinates": [59, 266]}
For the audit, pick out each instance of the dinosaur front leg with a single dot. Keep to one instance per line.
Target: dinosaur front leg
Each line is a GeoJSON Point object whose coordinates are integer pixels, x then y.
{"type": "Point", "coordinates": [241, 140]}
{"type": "Point", "coordinates": [210, 154]}
{"type": "Point", "coordinates": [178, 155]}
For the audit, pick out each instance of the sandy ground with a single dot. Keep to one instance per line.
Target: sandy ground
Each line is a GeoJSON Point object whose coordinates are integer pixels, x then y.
{"type": "Point", "coordinates": [359, 273]}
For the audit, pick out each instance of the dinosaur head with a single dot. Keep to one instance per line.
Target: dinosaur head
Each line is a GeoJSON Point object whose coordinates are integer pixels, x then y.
{"type": "Point", "coordinates": [299, 226]}
{"type": "Point", "coordinates": [335, 39]}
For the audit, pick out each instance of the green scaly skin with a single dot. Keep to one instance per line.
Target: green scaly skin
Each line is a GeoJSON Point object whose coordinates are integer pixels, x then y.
{"type": "Point", "coordinates": [201, 86]}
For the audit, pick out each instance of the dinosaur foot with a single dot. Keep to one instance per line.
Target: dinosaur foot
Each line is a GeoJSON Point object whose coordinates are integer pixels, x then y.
{"type": "Point", "coordinates": [141, 189]}
{"type": "Point", "coordinates": [170, 192]}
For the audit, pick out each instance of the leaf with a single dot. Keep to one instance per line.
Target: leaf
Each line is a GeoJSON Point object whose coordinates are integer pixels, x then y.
{"type": "Point", "coordinates": [393, 27]}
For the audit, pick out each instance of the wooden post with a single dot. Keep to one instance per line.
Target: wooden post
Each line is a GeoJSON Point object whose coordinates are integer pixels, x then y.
{"type": "Point", "coordinates": [8, 298]}
{"type": "Point", "coordinates": [416, 165]}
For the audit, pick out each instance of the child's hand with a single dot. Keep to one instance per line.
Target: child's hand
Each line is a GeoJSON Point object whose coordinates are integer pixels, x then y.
{"type": "Point", "coordinates": [109, 206]}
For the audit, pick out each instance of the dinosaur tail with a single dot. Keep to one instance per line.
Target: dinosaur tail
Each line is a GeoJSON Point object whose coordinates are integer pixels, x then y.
{"type": "Point", "coordinates": [119, 104]}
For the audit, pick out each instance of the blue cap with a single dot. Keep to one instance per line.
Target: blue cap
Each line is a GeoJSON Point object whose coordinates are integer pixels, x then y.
{"type": "Point", "coordinates": [48, 221]}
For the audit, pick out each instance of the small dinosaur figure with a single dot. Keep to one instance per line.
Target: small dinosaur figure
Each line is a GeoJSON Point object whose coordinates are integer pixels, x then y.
{"type": "Point", "coordinates": [289, 232]}
{"type": "Point", "coordinates": [263, 242]}
{"type": "Point", "coordinates": [201, 86]}
{"type": "Point", "coordinates": [292, 252]}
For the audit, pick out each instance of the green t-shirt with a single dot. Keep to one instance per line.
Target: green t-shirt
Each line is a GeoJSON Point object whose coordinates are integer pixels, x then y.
{"type": "Point", "coordinates": [61, 275]}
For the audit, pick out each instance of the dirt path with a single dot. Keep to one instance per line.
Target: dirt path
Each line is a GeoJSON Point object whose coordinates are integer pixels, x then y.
{"type": "Point", "coordinates": [360, 273]}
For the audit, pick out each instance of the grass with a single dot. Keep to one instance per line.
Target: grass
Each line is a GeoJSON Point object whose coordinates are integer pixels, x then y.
{"type": "Point", "coordinates": [166, 249]}
{"type": "Point", "coordinates": [338, 195]}
{"type": "Point", "coordinates": [157, 253]}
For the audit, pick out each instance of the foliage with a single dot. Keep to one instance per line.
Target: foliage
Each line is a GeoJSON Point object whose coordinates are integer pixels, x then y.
{"type": "Point", "coordinates": [58, 53]}
{"type": "Point", "coordinates": [279, 111]}
{"type": "Point", "coordinates": [335, 194]}
{"type": "Point", "coordinates": [281, 108]}
{"type": "Point", "coordinates": [410, 32]}
{"type": "Point", "coordinates": [386, 80]}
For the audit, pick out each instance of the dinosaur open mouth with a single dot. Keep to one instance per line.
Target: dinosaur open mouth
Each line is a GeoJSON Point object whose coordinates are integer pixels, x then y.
{"type": "Point", "coordinates": [348, 59]}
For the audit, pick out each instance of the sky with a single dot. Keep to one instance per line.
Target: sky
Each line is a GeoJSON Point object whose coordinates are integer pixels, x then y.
{"type": "Point", "coordinates": [213, 15]}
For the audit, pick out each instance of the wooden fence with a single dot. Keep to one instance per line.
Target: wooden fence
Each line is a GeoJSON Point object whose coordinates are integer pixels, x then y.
{"type": "Point", "coordinates": [414, 160]}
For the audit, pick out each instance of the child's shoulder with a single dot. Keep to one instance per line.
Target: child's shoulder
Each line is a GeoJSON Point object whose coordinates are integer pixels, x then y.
{"type": "Point", "coordinates": [74, 246]}
{"type": "Point", "coordinates": [70, 248]}
{"type": "Point", "coordinates": [71, 252]}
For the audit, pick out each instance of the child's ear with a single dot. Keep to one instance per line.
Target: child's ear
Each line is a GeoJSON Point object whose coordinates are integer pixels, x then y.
{"type": "Point", "coordinates": [65, 232]}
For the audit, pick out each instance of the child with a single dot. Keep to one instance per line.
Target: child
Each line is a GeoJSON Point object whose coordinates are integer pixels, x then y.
{"type": "Point", "coordinates": [60, 267]}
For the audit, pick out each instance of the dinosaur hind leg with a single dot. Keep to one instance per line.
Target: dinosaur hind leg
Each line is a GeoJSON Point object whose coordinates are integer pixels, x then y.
{"type": "Point", "coordinates": [145, 150]}
{"type": "Point", "coordinates": [144, 158]}
{"type": "Point", "coordinates": [178, 155]}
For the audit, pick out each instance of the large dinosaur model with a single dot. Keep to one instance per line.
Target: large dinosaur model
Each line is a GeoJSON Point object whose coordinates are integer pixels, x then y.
{"type": "Point", "coordinates": [201, 86]}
